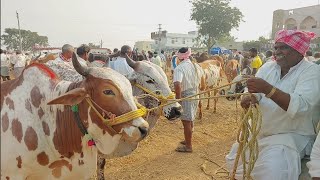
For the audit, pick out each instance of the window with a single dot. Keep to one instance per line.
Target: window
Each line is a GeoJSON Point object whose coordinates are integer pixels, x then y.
{"type": "Point", "coordinates": [184, 41]}
{"type": "Point", "coordinates": [172, 41]}
{"type": "Point", "coordinates": [278, 25]}
{"type": "Point", "coordinates": [314, 26]}
{"type": "Point", "coordinates": [290, 12]}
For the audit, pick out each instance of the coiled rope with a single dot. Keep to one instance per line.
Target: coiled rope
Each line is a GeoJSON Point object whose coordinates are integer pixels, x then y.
{"type": "Point", "coordinates": [248, 131]}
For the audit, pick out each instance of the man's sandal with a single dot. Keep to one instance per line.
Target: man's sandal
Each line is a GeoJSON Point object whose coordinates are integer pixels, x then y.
{"type": "Point", "coordinates": [183, 142]}
{"type": "Point", "coordinates": [184, 149]}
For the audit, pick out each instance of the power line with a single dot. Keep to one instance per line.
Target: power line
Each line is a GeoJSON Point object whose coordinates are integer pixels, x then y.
{"type": "Point", "coordinates": [20, 40]}
{"type": "Point", "coordinates": [159, 38]}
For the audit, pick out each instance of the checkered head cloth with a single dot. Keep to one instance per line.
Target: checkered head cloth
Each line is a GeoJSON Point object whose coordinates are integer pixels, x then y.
{"type": "Point", "coordinates": [298, 40]}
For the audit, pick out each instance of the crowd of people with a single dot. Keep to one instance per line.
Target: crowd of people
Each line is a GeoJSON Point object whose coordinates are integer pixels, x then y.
{"type": "Point", "coordinates": [285, 82]}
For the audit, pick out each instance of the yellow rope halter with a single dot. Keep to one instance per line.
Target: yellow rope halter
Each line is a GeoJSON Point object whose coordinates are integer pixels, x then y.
{"type": "Point", "coordinates": [141, 111]}
{"type": "Point", "coordinates": [163, 99]}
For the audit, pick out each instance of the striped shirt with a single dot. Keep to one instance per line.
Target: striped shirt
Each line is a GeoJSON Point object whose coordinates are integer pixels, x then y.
{"type": "Point", "coordinates": [185, 74]}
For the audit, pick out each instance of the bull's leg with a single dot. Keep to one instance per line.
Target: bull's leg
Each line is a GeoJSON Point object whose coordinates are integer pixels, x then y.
{"type": "Point", "coordinates": [200, 109]}
{"type": "Point", "coordinates": [100, 167]}
{"type": "Point", "coordinates": [208, 104]}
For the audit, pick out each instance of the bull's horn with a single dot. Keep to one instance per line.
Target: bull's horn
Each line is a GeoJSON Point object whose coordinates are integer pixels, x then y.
{"type": "Point", "coordinates": [78, 67]}
{"type": "Point", "coordinates": [131, 62]}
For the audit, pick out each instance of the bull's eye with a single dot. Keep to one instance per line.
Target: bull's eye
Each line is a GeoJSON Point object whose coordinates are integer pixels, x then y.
{"type": "Point", "coordinates": [150, 81]}
{"type": "Point", "coordinates": [108, 92]}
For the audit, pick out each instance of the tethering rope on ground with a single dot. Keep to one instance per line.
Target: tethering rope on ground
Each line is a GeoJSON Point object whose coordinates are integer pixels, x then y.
{"type": "Point", "coordinates": [248, 131]}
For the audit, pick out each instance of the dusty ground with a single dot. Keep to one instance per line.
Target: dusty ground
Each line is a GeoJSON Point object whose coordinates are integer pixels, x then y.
{"type": "Point", "coordinates": [155, 158]}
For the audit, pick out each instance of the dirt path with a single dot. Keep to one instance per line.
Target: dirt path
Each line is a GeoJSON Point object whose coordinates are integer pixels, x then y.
{"type": "Point", "coordinates": [155, 158]}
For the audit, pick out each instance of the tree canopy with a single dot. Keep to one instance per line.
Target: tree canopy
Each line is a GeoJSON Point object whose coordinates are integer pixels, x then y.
{"type": "Point", "coordinates": [262, 44]}
{"type": "Point", "coordinates": [215, 18]}
{"type": "Point", "coordinates": [10, 39]}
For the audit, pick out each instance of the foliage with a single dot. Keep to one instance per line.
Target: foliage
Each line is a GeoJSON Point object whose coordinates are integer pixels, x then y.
{"type": "Point", "coordinates": [227, 38]}
{"type": "Point", "coordinates": [215, 19]}
{"type": "Point", "coordinates": [10, 39]}
{"type": "Point", "coordinates": [261, 44]}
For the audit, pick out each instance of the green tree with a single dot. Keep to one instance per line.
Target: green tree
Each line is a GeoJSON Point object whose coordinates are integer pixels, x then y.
{"type": "Point", "coordinates": [215, 19]}
{"type": "Point", "coordinates": [259, 44]}
{"type": "Point", "coordinates": [10, 38]}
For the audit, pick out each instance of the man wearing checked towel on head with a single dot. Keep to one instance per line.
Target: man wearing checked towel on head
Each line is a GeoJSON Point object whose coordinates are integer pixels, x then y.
{"type": "Point", "coordinates": [287, 91]}
{"type": "Point", "coordinates": [187, 77]}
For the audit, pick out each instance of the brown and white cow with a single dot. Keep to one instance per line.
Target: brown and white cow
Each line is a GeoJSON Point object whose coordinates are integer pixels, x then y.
{"type": "Point", "coordinates": [39, 141]}
{"type": "Point", "coordinates": [232, 69]}
{"type": "Point", "coordinates": [212, 71]}
{"type": "Point", "coordinates": [147, 75]}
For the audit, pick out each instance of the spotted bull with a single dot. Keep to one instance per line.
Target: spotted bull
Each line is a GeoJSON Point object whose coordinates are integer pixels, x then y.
{"type": "Point", "coordinates": [41, 141]}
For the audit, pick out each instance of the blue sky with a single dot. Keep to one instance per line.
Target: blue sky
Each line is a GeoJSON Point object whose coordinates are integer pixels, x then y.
{"type": "Point", "coordinates": [119, 22]}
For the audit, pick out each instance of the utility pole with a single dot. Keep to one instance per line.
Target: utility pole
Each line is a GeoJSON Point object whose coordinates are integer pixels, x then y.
{"type": "Point", "coordinates": [20, 40]}
{"type": "Point", "coordinates": [101, 43]}
{"type": "Point", "coordinates": [159, 38]}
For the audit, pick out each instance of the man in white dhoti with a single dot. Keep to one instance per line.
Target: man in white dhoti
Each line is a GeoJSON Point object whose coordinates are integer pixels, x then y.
{"type": "Point", "coordinates": [314, 164]}
{"type": "Point", "coordinates": [287, 91]}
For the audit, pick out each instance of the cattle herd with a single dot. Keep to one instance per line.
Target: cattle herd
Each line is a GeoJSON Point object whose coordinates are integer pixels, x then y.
{"type": "Point", "coordinates": [43, 137]}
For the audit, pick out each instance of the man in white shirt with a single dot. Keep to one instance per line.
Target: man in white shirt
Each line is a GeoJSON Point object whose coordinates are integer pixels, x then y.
{"type": "Point", "coordinates": [187, 77]}
{"type": "Point", "coordinates": [287, 91]}
{"type": "Point", "coordinates": [120, 64]}
{"type": "Point", "coordinates": [19, 63]}
{"type": "Point", "coordinates": [269, 57]}
{"type": "Point", "coordinates": [66, 54]}
{"type": "Point", "coordinates": [5, 64]}
{"type": "Point", "coordinates": [83, 53]}
{"type": "Point", "coordinates": [156, 59]}
{"type": "Point", "coordinates": [314, 164]}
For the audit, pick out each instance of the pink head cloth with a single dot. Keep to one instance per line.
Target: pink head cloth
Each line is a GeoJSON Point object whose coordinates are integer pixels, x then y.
{"type": "Point", "coordinates": [184, 55]}
{"type": "Point", "coordinates": [298, 40]}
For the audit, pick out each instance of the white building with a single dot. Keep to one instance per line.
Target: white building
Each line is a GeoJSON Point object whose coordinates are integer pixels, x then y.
{"type": "Point", "coordinates": [144, 45]}
{"type": "Point", "coordinates": [170, 41]}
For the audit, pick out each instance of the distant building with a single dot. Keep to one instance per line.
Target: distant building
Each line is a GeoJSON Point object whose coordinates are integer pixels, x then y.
{"type": "Point", "coordinates": [100, 51]}
{"type": "Point", "coordinates": [173, 41]}
{"type": "Point", "coordinates": [144, 45]}
{"type": "Point", "coordinates": [305, 18]}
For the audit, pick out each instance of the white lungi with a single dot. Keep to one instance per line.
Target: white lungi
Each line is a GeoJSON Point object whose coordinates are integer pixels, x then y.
{"type": "Point", "coordinates": [275, 161]}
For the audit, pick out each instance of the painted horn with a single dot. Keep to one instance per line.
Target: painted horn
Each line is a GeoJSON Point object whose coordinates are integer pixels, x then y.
{"type": "Point", "coordinates": [78, 67]}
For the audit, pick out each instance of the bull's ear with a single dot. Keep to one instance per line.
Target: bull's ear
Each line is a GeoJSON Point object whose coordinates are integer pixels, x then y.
{"type": "Point", "coordinates": [72, 97]}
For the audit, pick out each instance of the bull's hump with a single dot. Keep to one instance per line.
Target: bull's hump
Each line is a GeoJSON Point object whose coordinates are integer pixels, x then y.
{"type": "Point", "coordinates": [44, 69]}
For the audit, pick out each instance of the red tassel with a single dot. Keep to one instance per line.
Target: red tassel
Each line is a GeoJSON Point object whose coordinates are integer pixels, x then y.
{"type": "Point", "coordinates": [91, 143]}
